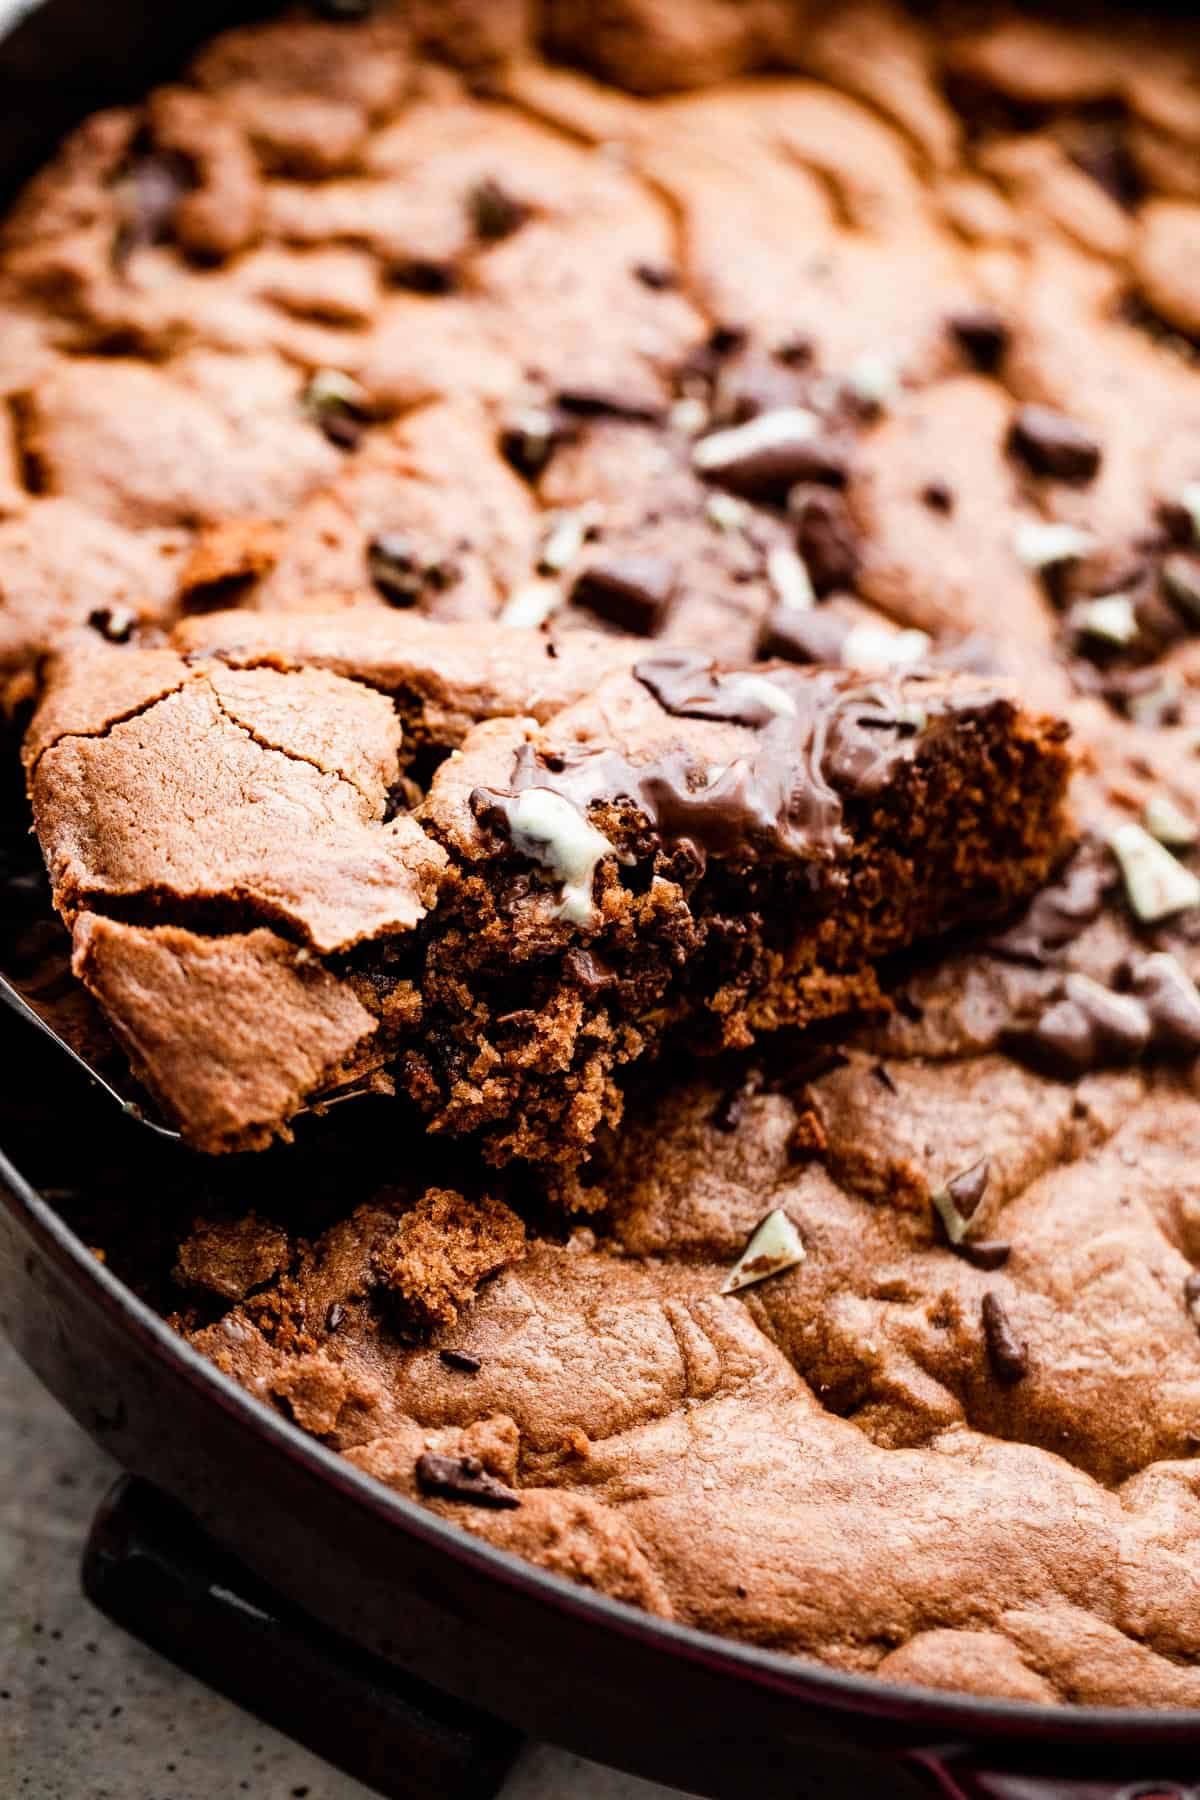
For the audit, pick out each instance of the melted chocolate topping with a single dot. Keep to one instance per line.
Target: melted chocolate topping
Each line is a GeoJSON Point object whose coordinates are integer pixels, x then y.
{"type": "Point", "coordinates": [819, 735]}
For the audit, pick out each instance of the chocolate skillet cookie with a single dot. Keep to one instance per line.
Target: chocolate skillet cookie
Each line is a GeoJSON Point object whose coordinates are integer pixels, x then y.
{"type": "Point", "coordinates": [540, 534]}
{"type": "Point", "coordinates": [238, 849]}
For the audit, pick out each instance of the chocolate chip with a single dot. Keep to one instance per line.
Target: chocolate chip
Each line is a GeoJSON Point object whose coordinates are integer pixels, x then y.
{"type": "Point", "coordinates": [1052, 444]}
{"type": "Point", "coordinates": [338, 404]}
{"type": "Point", "coordinates": [590, 974]}
{"type": "Point", "coordinates": [462, 1360]}
{"type": "Point", "coordinates": [983, 335]}
{"type": "Point", "coordinates": [1170, 997]}
{"type": "Point", "coordinates": [1064, 1041]}
{"type": "Point", "coordinates": [334, 1316]}
{"type": "Point", "coordinates": [631, 592]}
{"type": "Point", "coordinates": [416, 276]}
{"type": "Point", "coordinates": [765, 458]}
{"type": "Point", "coordinates": [494, 212]}
{"type": "Point", "coordinates": [825, 537]}
{"type": "Point", "coordinates": [656, 276]}
{"type": "Point", "coordinates": [1008, 1356]}
{"type": "Point", "coordinates": [989, 1253]}
{"type": "Point", "coordinates": [883, 1077]}
{"type": "Point", "coordinates": [803, 637]}
{"type": "Point", "coordinates": [937, 497]}
{"type": "Point", "coordinates": [116, 623]}
{"type": "Point", "coordinates": [795, 353]}
{"type": "Point", "coordinates": [967, 1189]}
{"type": "Point", "coordinates": [401, 573]}
{"type": "Point", "coordinates": [1089, 1026]}
{"type": "Point", "coordinates": [1059, 913]}
{"type": "Point", "coordinates": [529, 438]}
{"type": "Point", "coordinates": [462, 1478]}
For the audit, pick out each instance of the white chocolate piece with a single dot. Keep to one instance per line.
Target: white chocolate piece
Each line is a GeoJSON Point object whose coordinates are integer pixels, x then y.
{"type": "Point", "coordinates": [547, 828]}
{"type": "Point", "coordinates": [1155, 883]}
{"type": "Point", "coordinates": [775, 1247]}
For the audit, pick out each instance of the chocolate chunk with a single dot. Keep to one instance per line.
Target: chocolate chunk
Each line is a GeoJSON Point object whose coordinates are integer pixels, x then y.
{"type": "Point", "coordinates": [529, 438]}
{"type": "Point", "coordinates": [1052, 444]}
{"type": "Point", "coordinates": [765, 458]}
{"type": "Point", "coordinates": [656, 276]}
{"type": "Point", "coordinates": [989, 1253]}
{"type": "Point", "coordinates": [401, 573]}
{"type": "Point", "coordinates": [983, 335]}
{"type": "Point", "coordinates": [1063, 1041]}
{"type": "Point", "coordinates": [632, 592]}
{"type": "Point", "coordinates": [494, 212]}
{"type": "Point", "coordinates": [116, 623]}
{"type": "Point", "coordinates": [462, 1478]}
{"type": "Point", "coordinates": [590, 973]}
{"type": "Point", "coordinates": [803, 637]}
{"type": "Point", "coordinates": [967, 1189]}
{"type": "Point", "coordinates": [1169, 995]}
{"type": "Point", "coordinates": [1008, 1356]}
{"type": "Point", "coordinates": [1059, 913]}
{"type": "Point", "coordinates": [462, 1360]}
{"type": "Point", "coordinates": [1121, 1022]}
{"type": "Point", "coordinates": [338, 404]}
{"type": "Point", "coordinates": [417, 276]}
{"type": "Point", "coordinates": [1090, 1026]}
{"type": "Point", "coordinates": [938, 497]}
{"type": "Point", "coordinates": [825, 537]}
{"type": "Point", "coordinates": [957, 1203]}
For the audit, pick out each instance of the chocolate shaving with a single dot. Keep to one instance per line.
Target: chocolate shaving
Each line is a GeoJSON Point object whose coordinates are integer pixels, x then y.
{"type": "Point", "coordinates": [462, 1360]}
{"type": "Point", "coordinates": [463, 1478]}
{"type": "Point", "coordinates": [1008, 1356]}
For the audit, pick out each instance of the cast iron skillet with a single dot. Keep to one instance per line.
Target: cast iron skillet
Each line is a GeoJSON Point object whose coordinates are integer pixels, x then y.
{"type": "Point", "coordinates": [554, 1660]}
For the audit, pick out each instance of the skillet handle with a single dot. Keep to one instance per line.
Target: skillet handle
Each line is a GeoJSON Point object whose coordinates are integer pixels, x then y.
{"type": "Point", "coordinates": [958, 1773]}
{"type": "Point", "coordinates": [148, 1567]}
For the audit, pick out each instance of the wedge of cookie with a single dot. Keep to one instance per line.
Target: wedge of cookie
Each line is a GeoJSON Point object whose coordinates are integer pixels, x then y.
{"type": "Point", "coordinates": [499, 867]}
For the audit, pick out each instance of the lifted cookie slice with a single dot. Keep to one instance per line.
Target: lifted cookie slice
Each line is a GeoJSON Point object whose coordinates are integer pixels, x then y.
{"type": "Point", "coordinates": [684, 850]}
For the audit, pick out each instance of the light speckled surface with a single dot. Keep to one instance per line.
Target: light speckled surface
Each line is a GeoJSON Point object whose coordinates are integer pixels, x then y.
{"type": "Point", "coordinates": [88, 1714]}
